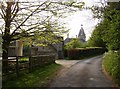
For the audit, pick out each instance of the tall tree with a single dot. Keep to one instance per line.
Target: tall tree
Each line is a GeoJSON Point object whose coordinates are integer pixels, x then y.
{"type": "Point", "coordinates": [96, 39]}
{"type": "Point", "coordinates": [112, 22]}
{"type": "Point", "coordinates": [109, 26]}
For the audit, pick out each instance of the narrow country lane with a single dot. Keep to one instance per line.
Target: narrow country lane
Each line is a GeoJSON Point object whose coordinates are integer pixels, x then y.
{"type": "Point", "coordinates": [84, 73]}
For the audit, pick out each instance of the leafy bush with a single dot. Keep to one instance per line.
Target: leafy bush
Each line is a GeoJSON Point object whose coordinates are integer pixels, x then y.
{"type": "Point", "coordinates": [80, 53]}
{"type": "Point", "coordinates": [75, 43]}
{"type": "Point", "coordinates": [112, 64]}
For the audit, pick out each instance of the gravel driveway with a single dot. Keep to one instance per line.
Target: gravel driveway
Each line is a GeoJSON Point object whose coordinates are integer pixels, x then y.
{"type": "Point", "coordinates": [81, 73]}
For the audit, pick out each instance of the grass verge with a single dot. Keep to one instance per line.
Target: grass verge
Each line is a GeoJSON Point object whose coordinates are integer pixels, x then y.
{"type": "Point", "coordinates": [38, 78]}
{"type": "Point", "coordinates": [111, 63]}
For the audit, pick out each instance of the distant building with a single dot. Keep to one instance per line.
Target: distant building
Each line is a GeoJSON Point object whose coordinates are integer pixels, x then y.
{"type": "Point", "coordinates": [67, 40]}
{"type": "Point", "coordinates": [81, 36]}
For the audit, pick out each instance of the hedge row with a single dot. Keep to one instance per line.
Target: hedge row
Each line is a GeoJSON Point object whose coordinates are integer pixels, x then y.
{"type": "Point", "coordinates": [80, 53]}
{"type": "Point", "coordinates": [112, 65]}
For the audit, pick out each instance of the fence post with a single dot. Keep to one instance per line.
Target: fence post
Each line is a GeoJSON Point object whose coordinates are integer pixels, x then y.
{"type": "Point", "coordinates": [30, 60]}
{"type": "Point", "coordinates": [17, 66]}
{"type": "Point", "coordinates": [30, 64]}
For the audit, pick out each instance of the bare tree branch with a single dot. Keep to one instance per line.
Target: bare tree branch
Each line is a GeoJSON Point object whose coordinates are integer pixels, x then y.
{"type": "Point", "coordinates": [3, 11]}
{"type": "Point", "coordinates": [14, 13]}
{"type": "Point", "coordinates": [27, 18]}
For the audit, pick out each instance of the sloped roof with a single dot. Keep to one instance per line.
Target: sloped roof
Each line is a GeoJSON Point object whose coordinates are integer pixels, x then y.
{"type": "Point", "coordinates": [67, 40]}
{"type": "Point", "coordinates": [81, 32]}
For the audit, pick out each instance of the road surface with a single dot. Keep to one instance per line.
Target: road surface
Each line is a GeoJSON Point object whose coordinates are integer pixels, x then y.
{"type": "Point", "coordinates": [81, 73]}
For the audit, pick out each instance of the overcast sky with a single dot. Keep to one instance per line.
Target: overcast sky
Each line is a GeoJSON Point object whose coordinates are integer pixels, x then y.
{"type": "Point", "coordinates": [84, 17]}
{"type": "Point", "coordinates": [74, 21]}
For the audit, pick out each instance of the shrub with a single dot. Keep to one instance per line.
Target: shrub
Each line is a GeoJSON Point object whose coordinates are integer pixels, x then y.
{"type": "Point", "coordinates": [112, 64]}
{"type": "Point", "coordinates": [79, 53]}
{"type": "Point", "coordinates": [75, 43]}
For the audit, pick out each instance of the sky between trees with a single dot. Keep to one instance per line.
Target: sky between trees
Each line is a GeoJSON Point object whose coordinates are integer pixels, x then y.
{"type": "Point", "coordinates": [84, 17]}
{"type": "Point", "coordinates": [74, 20]}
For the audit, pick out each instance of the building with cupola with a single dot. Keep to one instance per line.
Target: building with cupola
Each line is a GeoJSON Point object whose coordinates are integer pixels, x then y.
{"type": "Point", "coordinates": [81, 36]}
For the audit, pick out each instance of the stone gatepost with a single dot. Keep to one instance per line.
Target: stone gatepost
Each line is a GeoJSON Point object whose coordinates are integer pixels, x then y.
{"type": "Point", "coordinates": [19, 45]}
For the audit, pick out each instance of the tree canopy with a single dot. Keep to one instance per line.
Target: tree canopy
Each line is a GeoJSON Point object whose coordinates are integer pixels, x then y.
{"type": "Point", "coordinates": [107, 30]}
{"type": "Point", "coordinates": [27, 19]}
{"type": "Point", "coordinates": [96, 39]}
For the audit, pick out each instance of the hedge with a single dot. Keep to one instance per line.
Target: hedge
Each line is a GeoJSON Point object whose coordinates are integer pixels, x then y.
{"type": "Point", "coordinates": [111, 64]}
{"type": "Point", "coordinates": [79, 53]}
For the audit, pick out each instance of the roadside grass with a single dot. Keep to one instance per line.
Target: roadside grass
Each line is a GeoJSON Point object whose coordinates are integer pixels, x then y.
{"type": "Point", "coordinates": [111, 63]}
{"type": "Point", "coordinates": [38, 78]}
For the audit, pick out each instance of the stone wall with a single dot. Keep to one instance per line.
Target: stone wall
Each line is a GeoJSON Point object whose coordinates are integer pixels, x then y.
{"type": "Point", "coordinates": [41, 60]}
{"type": "Point", "coordinates": [59, 47]}
{"type": "Point", "coordinates": [47, 50]}
{"type": "Point", "coordinates": [41, 56]}
{"type": "Point", "coordinates": [33, 51]}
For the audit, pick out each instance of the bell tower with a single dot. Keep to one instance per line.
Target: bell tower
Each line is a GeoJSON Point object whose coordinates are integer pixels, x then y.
{"type": "Point", "coordinates": [81, 35]}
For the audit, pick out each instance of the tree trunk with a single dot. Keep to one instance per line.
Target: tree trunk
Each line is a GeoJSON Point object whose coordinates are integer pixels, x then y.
{"type": "Point", "coordinates": [6, 37]}
{"type": "Point", "coordinates": [5, 47]}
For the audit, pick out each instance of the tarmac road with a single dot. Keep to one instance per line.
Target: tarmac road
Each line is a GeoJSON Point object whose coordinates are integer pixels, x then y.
{"type": "Point", "coordinates": [82, 73]}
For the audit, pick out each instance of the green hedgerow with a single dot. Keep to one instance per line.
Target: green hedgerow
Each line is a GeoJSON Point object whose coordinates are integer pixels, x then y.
{"type": "Point", "coordinates": [112, 64]}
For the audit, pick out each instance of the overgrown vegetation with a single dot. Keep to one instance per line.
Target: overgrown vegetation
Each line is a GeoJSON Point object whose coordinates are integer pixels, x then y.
{"type": "Point", "coordinates": [75, 43]}
{"type": "Point", "coordinates": [107, 31]}
{"type": "Point", "coordinates": [75, 49]}
{"type": "Point", "coordinates": [112, 64]}
{"type": "Point", "coordinates": [96, 38]}
{"type": "Point", "coordinates": [39, 78]}
{"type": "Point", "coordinates": [107, 34]}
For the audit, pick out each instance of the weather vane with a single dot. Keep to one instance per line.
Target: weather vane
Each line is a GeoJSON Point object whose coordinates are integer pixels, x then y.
{"type": "Point", "coordinates": [81, 25]}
